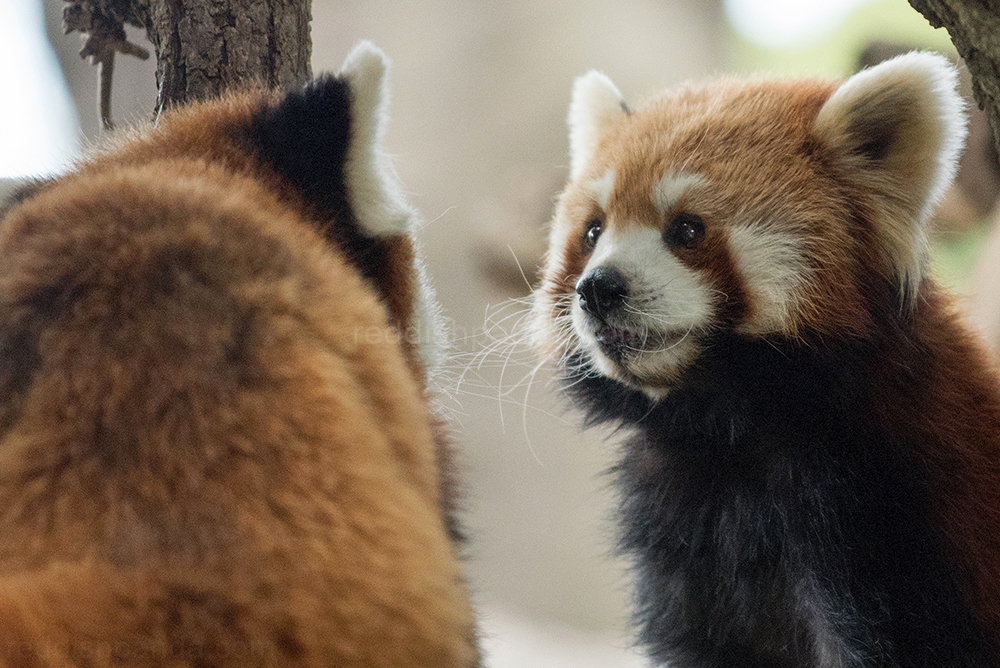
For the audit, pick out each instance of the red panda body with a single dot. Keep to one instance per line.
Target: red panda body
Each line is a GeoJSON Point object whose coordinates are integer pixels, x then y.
{"type": "Point", "coordinates": [737, 275]}
{"type": "Point", "coordinates": [217, 440]}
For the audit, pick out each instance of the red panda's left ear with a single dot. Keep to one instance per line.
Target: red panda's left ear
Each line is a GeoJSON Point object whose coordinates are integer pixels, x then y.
{"type": "Point", "coordinates": [895, 132]}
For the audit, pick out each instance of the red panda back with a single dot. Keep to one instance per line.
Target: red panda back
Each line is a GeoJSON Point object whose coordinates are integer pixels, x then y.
{"type": "Point", "coordinates": [218, 447]}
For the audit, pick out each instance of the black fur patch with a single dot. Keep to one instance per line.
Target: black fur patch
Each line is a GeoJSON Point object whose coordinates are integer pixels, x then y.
{"type": "Point", "coordinates": [21, 326]}
{"type": "Point", "coordinates": [19, 348]}
{"type": "Point", "coordinates": [877, 141]}
{"type": "Point", "coordinates": [305, 139]}
{"type": "Point", "coordinates": [757, 499]}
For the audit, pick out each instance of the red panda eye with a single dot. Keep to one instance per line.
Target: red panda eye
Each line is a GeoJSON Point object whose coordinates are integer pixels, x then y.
{"type": "Point", "coordinates": [685, 231]}
{"type": "Point", "coordinates": [593, 233]}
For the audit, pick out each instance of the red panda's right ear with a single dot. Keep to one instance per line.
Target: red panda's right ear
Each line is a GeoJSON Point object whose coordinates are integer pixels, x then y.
{"type": "Point", "coordinates": [894, 133]}
{"type": "Point", "coordinates": [596, 102]}
{"type": "Point", "coordinates": [325, 140]}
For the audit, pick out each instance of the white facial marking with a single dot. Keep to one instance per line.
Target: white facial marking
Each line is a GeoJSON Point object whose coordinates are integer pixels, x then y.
{"type": "Point", "coordinates": [774, 268]}
{"type": "Point", "coordinates": [668, 190]}
{"type": "Point", "coordinates": [667, 301]}
{"type": "Point", "coordinates": [656, 277]}
{"type": "Point", "coordinates": [601, 188]}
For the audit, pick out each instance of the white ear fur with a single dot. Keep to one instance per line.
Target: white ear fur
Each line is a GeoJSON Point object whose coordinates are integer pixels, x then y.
{"type": "Point", "coordinates": [897, 130]}
{"type": "Point", "coordinates": [374, 192]}
{"type": "Point", "coordinates": [596, 101]}
{"type": "Point", "coordinates": [372, 186]}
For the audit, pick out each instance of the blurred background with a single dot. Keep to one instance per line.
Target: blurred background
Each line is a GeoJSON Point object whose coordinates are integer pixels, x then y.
{"type": "Point", "coordinates": [480, 91]}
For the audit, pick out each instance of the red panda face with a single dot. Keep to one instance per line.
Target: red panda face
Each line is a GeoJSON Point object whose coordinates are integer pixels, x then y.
{"type": "Point", "coordinates": [757, 209]}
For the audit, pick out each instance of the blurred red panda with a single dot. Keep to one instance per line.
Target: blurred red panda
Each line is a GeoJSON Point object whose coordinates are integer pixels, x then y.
{"type": "Point", "coordinates": [218, 446]}
{"type": "Point", "coordinates": [737, 277]}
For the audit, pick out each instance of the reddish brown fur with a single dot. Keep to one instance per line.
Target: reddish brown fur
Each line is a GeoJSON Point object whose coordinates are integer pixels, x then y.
{"type": "Point", "coordinates": [954, 410]}
{"type": "Point", "coordinates": [216, 452]}
{"type": "Point", "coordinates": [941, 392]}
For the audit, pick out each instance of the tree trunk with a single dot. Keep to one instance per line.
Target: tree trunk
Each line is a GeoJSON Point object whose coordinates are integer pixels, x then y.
{"type": "Point", "coordinates": [974, 26]}
{"type": "Point", "coordinates": [203, 47]}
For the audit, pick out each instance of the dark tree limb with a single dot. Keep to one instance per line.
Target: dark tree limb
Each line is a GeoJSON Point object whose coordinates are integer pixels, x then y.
{"type": "Point", "coordinates": [974, 26]}
{"type": "Point", "coordinates": [203, 47]}
{"type": "Point", "coordinates": [103, 26]}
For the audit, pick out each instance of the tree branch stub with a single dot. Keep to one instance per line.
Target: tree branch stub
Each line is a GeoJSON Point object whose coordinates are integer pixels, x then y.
{"type": "Point", "coordinates": [974, 27]}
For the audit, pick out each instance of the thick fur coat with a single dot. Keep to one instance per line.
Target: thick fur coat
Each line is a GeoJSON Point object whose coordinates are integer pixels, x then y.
{"type": "Point", "coordinates": [217, 444]}
{"type": "Point", "coordinates": [738, 279]}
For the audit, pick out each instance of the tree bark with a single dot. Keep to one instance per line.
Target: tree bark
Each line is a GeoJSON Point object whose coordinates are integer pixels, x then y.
{"type": "Point", "coordinates": [203, 47]}
{"type": "Point", "coordinates": [206, 46]}
{"type": "Point", "coordinates": [974, 27]}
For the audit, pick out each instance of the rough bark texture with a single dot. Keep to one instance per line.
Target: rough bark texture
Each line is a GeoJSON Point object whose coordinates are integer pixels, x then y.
{"type": "Point", "coordinates": [974, 26]}
{"type": "Point", "coordinates": [204, 47]}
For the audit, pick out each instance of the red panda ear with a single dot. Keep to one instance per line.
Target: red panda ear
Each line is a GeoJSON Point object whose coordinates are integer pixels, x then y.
{"type": "Point", "coordinates": [380, 207]}
{"type": "Point", "coordinates": [896, 131]}
{"type": "Point", "coordinates": [325, 139]}
{"type": "Point", "coordinates": [596, 102]}
{"type": "Point", "coordinates": [376, 197]}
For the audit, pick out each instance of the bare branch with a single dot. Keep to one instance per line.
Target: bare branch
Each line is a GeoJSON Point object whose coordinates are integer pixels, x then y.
{"type": "Point", "coordinates": [103, 26]}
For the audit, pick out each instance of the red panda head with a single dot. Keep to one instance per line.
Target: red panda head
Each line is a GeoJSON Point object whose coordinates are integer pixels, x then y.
{"type": "Point", "coordinates": [774, 210]}
{"type": "Point", "coordinates": [317, 148]}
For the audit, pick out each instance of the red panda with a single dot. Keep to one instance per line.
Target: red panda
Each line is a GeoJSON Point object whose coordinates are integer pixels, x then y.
{"type": "Point", "coordinates": [218, 445]}
{"type": "Point", "coordinates": [737, 278]}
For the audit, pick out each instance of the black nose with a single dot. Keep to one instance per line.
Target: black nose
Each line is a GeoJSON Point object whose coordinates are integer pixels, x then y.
{"type": "Point", "coordinates": [602, 291]}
